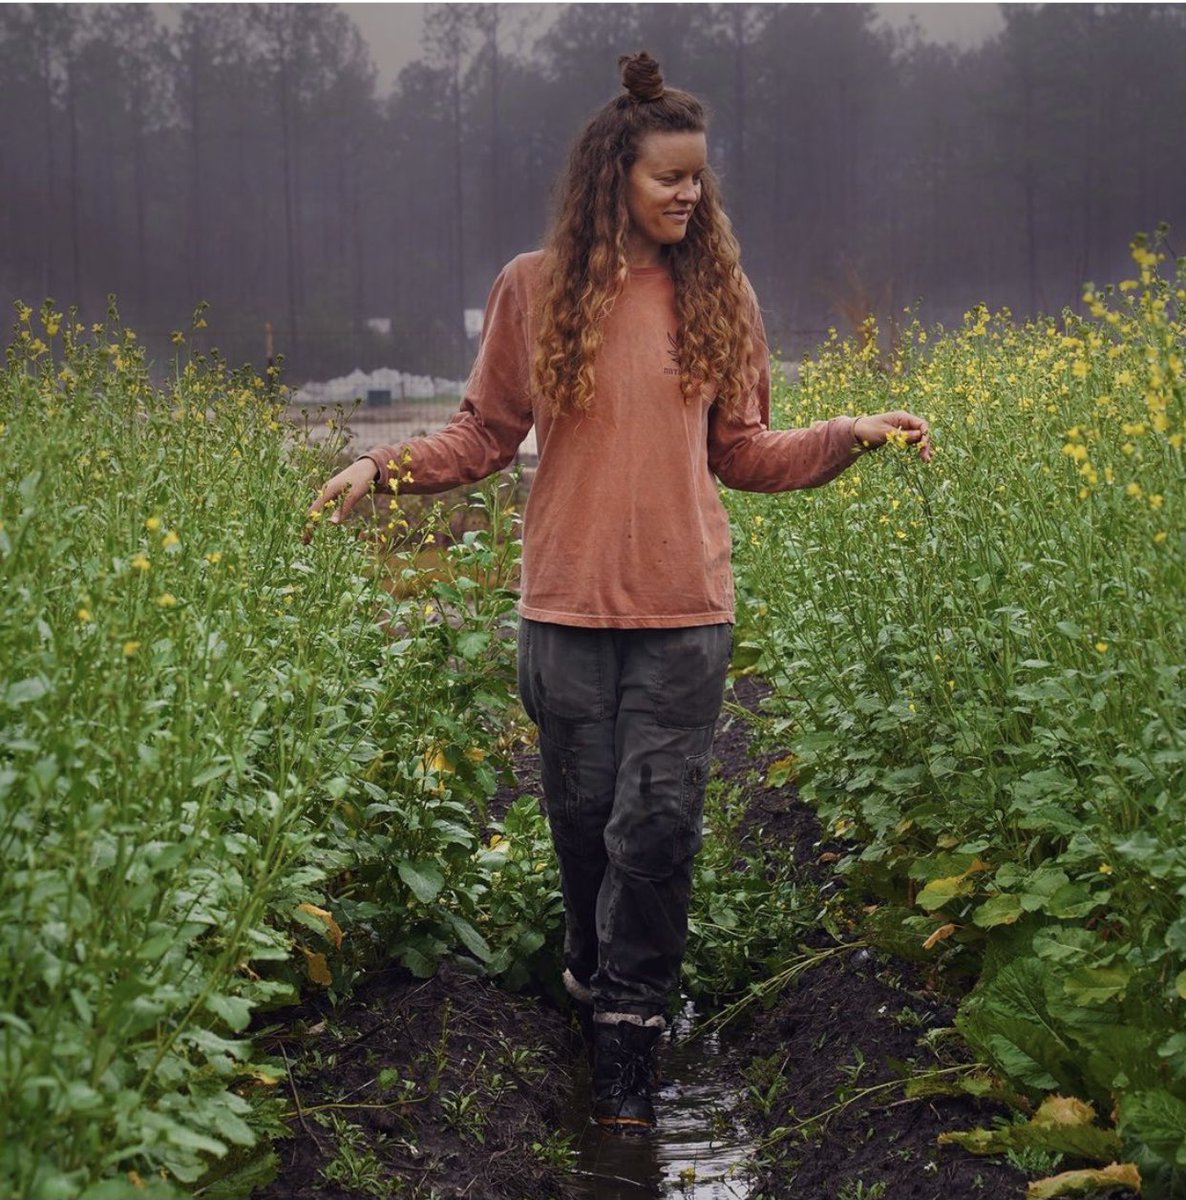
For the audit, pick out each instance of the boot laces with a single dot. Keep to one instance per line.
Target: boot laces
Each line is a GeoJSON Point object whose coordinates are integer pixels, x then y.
{"type": "Point", "coordinates": [634, 1074]}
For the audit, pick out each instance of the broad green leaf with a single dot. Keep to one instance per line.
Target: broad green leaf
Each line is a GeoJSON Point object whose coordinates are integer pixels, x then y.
{"type": "Point", "coordinates": [25, 690]}
{"type": "Point", "coordinates": [191, 1139]}
{"type": "Point", "coordinates": [1096, 985]}
{"type": "Point", "coordinates": [234, 1010]}
{"type": "Point", "coordinates": [471, 939]}
{"type": "Point", "coordinates": [1158, 1119]}
{"type": "Point", "coordinates": [472, 643]}
{"type": "Point", "coordinates": [417, 962]}
{"type": "Point", "coordinates": [424, 880]}
{"type": "Point", "coordinates": [998, 910]}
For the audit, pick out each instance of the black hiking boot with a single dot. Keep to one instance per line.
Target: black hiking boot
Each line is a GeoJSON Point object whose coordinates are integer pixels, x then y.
{"type": "Point", "coordinates": [624, 1075]}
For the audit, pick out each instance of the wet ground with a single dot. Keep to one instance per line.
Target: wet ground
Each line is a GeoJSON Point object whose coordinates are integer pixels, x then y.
{"type": "Point", "coordinates": [451, 1088]}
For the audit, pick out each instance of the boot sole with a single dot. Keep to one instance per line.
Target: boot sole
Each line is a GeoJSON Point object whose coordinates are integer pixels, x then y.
{"type": "Point", "coordinates": [625, 1126]}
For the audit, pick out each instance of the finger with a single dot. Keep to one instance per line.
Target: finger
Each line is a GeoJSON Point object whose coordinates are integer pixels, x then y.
{"type": "Point", "coordinates": [328, 492]}
{"type": "Point", "coordinates": [353, 496]}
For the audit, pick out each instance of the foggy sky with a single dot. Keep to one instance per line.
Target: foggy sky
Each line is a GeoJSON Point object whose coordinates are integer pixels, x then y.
{"type": "Point", "coordinates": [392, 31]}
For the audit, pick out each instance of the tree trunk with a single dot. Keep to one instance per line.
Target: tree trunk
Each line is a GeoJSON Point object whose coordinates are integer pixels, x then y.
{"type": "Point", "coordinates": [286, 180]}
{"type": "Point", "coordinates": [737, 184]}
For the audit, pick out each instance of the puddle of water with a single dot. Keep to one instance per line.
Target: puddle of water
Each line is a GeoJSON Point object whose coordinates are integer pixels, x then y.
{"type": "Point", "coordinates": [700, 1149]}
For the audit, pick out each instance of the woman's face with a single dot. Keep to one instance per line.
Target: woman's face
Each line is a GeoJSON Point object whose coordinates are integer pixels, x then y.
{"type": "Point", "coordinates": [662, 189]}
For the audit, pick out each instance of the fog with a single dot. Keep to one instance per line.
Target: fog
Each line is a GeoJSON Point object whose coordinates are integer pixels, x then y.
{"type": "Point", "coordinates": [360, 193]}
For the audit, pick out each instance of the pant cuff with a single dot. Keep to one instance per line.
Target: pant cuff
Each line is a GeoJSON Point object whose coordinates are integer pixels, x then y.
{"type": "Point", "coordinates": [576, 989]}
{"type": "Point", "coordinates": [614, 1018]}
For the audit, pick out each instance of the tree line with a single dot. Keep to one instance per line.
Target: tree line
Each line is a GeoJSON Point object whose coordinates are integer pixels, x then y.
{"type": "Point", "coordinates": [244, 155]}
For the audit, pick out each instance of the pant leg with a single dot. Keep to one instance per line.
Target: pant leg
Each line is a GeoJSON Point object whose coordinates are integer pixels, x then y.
{"type": "Point", "coordinates": [671, 686]}
{"type": "Point", "coordinates": [568, 684]}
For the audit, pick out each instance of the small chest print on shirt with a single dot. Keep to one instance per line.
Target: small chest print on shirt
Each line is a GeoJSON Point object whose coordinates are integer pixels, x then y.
{"type": "Point", "coordinates": [673, 354]}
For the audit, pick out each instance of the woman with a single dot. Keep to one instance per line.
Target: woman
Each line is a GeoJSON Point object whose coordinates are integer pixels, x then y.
{"type": "Point", "coordinates": [634, 344]}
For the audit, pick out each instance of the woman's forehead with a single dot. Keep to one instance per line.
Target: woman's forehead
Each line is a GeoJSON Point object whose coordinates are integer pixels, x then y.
{"type": "Point", "coordinates": [667, 150]}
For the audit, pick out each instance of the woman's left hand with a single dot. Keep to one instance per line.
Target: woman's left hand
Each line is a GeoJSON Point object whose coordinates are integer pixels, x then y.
{"type": "Point", "coordinates": [877, 429]}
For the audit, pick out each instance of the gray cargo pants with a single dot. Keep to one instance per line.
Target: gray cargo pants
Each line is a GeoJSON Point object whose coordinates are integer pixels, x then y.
{"type": "Point", "coordinates": [626, 720]}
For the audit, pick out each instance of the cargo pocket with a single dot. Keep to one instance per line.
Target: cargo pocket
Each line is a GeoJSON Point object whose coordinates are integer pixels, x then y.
{"type": "Point", "coordinates": [689, 835]}
{"type": "Point", "coordinates": [560, 777]}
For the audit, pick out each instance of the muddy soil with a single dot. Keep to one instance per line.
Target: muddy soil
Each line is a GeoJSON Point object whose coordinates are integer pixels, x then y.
{"type": "Point", "coordinates": [452, 1088]}
{"type": "Point", "coordinates": [447, 1087]}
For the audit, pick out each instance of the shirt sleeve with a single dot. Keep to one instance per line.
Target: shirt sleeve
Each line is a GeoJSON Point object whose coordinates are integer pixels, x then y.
{"type": "Point", "coordinates": [495, 414]}
{"type": "Point", "coordinates": [745, 453]}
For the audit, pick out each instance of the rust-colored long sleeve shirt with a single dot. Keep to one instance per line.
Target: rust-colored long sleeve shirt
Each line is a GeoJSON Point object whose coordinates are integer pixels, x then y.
{"type": "Point", "coordinates": [624, 526]}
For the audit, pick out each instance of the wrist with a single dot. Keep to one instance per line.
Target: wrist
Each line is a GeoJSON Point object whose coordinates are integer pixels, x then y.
{"type": "Point", "coordinates": [378, 470]}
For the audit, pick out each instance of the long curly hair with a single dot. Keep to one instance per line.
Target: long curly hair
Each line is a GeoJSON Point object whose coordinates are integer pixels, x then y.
{"type": "Point", "coordinates": [587, 256]}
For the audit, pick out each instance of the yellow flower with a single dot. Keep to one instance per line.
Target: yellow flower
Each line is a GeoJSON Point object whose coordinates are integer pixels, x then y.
{"type": "Point", "coordinates": [1160, 536]}
{"type": "Point", "coordinates": [166, 600]}
{"type": "Point", "coordinates": [140, 562]}
{"type": "Point", "coordinates": [1134, 489]}
{"type": "Point", "coordinates": [84, 614]}
{"type": "Point", "coordinates": [170, 539]}
{"type": "Point", "coordinates": [1105, 869]}
{"type": "Point", "coordinates": [130, 648]}
{"type": "Point", "coordinates": [216, 555]}
{"type": "Point", "coordinates": [1156, 501]}
{"type": "Point", "coordinates": [152, 524]}
{"type": "Point", "coordinates": [177, 336]}
{"type": "Point", "coordinates": [1101, 646]}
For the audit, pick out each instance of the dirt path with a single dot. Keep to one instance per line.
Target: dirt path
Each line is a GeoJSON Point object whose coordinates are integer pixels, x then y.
{"type": "Point", "coordinates": [451, 1088]}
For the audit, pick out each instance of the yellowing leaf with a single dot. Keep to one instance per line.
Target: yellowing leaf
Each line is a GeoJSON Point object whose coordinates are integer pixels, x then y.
{"type": "Point", "coordinates": [1064, 1110]}
{"type": "Point", "coordinates": [1085, 1183]}
{"type": "Point", "coordinates": [781, 770]}
{"type": "Point", "coordinates": [260, 1074]}
{"type": "Point", "coordinates": [940, 934]}
{"type": "Point", "coordinates": [316, 967]}
{"type": "Point", "coordinates": [435, 760]}
{"type": "Point", "coordinates": [331, 926]}
{"type": "Point", "coordinates": [941, 891]}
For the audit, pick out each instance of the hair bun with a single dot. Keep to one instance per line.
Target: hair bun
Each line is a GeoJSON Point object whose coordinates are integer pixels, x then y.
{"type": "Point", "coordinates": [641, 77]}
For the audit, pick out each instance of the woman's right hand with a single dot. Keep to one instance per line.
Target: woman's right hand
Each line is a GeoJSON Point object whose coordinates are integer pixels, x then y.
{"type": "Point", "coordinates": [351, 485]}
